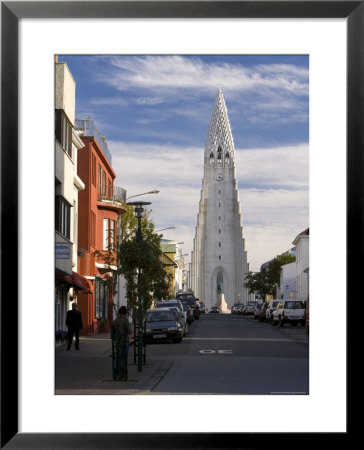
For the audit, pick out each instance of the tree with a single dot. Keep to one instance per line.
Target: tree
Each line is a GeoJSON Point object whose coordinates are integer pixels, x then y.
{"type": "Point", "coordinates": [258, 282]}
{"type": "Point", "coordinates": [145, 255]}
{"type": "Point", "coordinates": [265, 282]}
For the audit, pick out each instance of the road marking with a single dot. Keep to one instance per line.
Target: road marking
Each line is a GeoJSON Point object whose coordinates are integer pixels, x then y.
{"type": "Point", "coordinates": [237, 339]}
{"type": "Point", "coordinates": [210, 352]}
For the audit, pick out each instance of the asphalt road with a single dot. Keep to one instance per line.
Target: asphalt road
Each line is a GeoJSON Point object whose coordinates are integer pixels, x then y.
{"type": "Point", "coordinates": [231, 354]}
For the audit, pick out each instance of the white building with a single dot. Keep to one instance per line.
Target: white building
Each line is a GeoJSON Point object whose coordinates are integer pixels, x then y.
{"type": "Point", "coordinates": [302, 264]}
{"type": "Point", "coordinates": [180, 282]}
{"type": "Point", "coordinates": [288, 282]}
{"type": "Point", "coordinates": [219, 256]}
{"type": "Point", "coordinates": [67, 185]}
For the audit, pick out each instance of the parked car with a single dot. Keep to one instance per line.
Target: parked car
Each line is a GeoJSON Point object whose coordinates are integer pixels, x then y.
{"type": "Point", "coordinates": [240, 308]}
{"type": "Point", "coordinates": [188, 312]}
{"type": "Point", "coordinates": [262, 312]}
{"type": "Point", "coordinates": [161, 324]}
{"type": "Point", "coordinates": [214, 310]}
{"type": "Point", "coordinates": [257, 309]}
{"type": "Point", "coordinates": [249, 308]}
{"type": "Point", "coordinates": [235, 308]}
{"type": "Point", "coordinates": [177, 305]}
{"type": "Point", "coordinates": [192, 302]}
{"type": "Point", "coordinates": [307, 316]}
{"type": "Point", "coordinates": [289, 311]}
{"type": "Point", "coordinates": [271, 307]}
{"type": "Point", "coordinates": [202, 308]}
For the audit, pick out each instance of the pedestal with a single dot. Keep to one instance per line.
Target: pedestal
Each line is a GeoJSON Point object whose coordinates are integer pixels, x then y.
{"type": "Point", "coordinates": [221, 304]}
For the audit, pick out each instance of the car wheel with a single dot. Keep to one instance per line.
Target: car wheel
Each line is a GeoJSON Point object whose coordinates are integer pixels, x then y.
{"type": "Point", "coordinates": [178, 340]}
{"type": "Point", "coordinates": [294, 324]}
{"type": "Point", "coordinates": [281, 321]}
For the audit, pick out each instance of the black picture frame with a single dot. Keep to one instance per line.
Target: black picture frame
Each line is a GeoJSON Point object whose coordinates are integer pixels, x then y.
{"type": "Point", "coordinates": [11, 12]}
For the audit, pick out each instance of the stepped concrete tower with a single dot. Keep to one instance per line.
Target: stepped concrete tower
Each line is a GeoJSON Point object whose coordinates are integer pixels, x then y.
{"type": "Point", "coordinates": [219, 260]}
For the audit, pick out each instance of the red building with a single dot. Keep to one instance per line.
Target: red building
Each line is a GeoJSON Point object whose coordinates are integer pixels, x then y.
{"type": "Point", "coordinates": [99, 206]}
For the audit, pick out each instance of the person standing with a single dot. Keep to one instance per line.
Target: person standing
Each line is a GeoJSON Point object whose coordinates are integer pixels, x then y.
{"type": "Point", "coordinates": [120, 332]}
{"type": "Point", "coordinates": [74, 324]}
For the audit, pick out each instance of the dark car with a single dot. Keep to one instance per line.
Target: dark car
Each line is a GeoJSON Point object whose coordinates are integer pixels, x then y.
{"type": "Point", "coordinates": [214, 310]}
{"type": "Point", "coordinates": [190, 299]}
{"type": "Point", "coordinates": [188, 312]}
{"type": "Point", "coordinates": [161, 324]}
{"type": "Point", "coordinates": [178, 307]}
{"type": "Point", "coordinates": [262, 312]}
{"type": "Point", "coordinates": [257, 309]}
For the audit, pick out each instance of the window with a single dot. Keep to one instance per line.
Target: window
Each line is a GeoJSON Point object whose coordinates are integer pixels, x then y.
{"type": "Point", "coordinates": [112, 234]}
{"type": "Point", "coordinates": [93, 169]}
{"type": "Point", "coordinates": [64, 131]}
{"type": "Point", "coordinates": [101, 298]}
{"type": "Point", "coordinates": [105, 235]}
{"type": "Point", "coordinates": [101, 181]}
{"type": "Point", "coordinates": [62, 216]}
{"type": "Point", "coordinates": [93, 228]}
{"type": "Point", "coordinates": [109, 234]}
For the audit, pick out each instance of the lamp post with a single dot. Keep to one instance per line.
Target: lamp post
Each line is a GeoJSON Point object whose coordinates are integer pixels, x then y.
{"type": "Point", "coordinates": [162, 229]}
{"type": "Point", "coordinates": [138, 208]}
{"type": "Point", "coordinates": [155, 191]}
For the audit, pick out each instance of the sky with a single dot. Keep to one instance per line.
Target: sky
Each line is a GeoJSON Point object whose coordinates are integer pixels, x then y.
{"type": "Point", "coordinates": [155, 110]}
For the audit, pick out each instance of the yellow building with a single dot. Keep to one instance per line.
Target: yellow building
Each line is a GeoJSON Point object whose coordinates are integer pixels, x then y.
{"type": "Point", "coordinates": [168, 254]}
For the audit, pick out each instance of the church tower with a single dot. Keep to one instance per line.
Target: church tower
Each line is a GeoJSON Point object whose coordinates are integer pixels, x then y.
{"type": "Point", "coordinates": [219, 260]}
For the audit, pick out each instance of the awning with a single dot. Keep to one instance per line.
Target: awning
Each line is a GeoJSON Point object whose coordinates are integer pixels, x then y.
{"type": "Point", "coordinates": [77, 281]}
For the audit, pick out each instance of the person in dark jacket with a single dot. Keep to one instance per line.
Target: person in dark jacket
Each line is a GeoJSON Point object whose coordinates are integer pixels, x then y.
{"type": "Point", "coordinates": [74, 324]}
{"type": "Point", "coordinates": [120, 332]}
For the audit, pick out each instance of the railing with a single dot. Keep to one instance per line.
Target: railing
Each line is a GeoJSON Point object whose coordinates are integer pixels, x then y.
{"type": "Point", "coordinates": [88, 128]}
{"type": "Point", "coordinates": [112, 193]}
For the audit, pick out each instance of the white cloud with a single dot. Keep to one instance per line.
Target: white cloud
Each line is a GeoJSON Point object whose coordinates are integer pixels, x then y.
{"type": "Point", "coordinates": [178, 72]}
{"type": "Point", "coordinates": [273, 191]}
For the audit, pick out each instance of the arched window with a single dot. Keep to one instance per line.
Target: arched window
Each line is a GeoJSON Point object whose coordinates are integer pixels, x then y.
{"type": "Point", "coordinates": [219, 151]}
{"type": "Point", "coordinates": [219, 283]}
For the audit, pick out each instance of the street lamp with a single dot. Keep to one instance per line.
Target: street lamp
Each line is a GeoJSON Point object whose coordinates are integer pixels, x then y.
{"type": "Point", "coordinates": [138, 208]}
{"type": "Point", "coordinates": [162, 229]}
{"type": "Point", "coordinates": [144, 193]}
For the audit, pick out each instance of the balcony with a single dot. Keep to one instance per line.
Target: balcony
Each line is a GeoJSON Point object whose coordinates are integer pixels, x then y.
{"type": "Point", "coordinates": [111, 197]}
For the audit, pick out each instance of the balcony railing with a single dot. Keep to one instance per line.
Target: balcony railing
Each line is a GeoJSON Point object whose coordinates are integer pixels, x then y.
{"type": "Point", "coordinates": [87, 127]}
{"type": "Point", "coordinates": [111, 193]}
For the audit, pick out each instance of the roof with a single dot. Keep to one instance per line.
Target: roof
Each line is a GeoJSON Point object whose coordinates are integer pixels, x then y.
{"type": "Point", "coordinates": [306, 232]}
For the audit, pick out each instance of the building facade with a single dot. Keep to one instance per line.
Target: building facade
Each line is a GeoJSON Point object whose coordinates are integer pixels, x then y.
{"type": "Point", "coordinates": [287, 289]}
{"type": "Point", "coordinates": [100, 204]}
{"type": "Point", "coordinates": [302, 264]}
{"type": "Point", "coordinates": [219, 260]}
{"type": "Point", "coordinates": [67, 186]}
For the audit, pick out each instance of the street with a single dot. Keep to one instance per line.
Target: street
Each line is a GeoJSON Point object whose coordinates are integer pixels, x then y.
{"type": "Point", "coordinates": [222, 354]}
{"type": "Point", "coordinates": [231, 354]}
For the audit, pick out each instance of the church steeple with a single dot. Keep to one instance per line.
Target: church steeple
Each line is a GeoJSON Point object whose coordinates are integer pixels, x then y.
{"type": "Point", "coordinates": [219, 259]}
{"type": "Point", "coordinates": [219, 148]}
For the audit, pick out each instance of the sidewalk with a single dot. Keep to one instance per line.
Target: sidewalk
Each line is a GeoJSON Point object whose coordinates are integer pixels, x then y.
{"type": "Point", "coordinates": [89, 370]}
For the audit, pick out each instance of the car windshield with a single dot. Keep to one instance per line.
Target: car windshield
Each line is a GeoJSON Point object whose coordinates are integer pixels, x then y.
{"type": "Point", "coordinates": [185, 297]}
{"type": "Point", "coordinates": [167, 305]}
{"type": "Point", "coordinates": [293, 305]}
{"type": "Point", "coordinates": [159, 316]}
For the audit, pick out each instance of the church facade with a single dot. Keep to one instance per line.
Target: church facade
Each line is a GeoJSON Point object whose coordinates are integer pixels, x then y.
{"type": "Point", "coordinates": [219, 259]}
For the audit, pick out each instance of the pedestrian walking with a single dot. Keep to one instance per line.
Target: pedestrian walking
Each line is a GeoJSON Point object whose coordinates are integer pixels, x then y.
{"type": "Point", "coordinates": [120, 332]}
{"type": "Point", "coordinates": [74, 324]}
